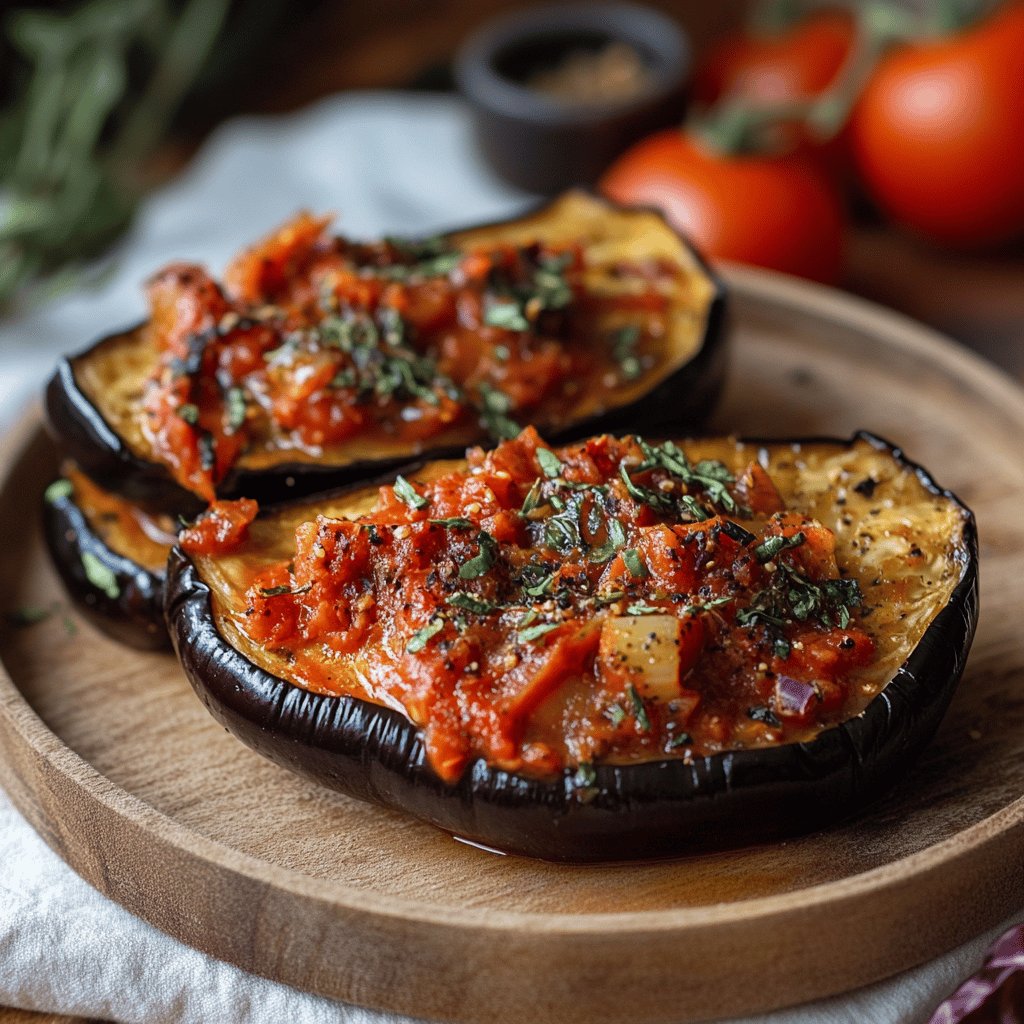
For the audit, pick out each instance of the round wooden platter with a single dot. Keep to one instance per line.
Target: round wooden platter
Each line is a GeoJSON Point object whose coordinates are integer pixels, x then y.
{"type": "Point", "coordinates": [110, 756]}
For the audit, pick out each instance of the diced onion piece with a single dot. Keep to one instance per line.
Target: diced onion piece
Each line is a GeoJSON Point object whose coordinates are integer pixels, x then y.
{"type": "Point", "coordinates": [794, 698]}
{"type": "Point", "coordinates": [642, 650]}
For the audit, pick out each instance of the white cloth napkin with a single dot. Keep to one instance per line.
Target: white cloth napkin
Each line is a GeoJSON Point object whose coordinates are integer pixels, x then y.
{"type": "Point", "coordinates": [385, 163]}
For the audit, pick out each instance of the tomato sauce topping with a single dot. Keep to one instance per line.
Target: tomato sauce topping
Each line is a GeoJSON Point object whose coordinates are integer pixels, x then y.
{"type": "Point", "coordinates": [312, 340]}
{"type": "Point", "coordinates": [545, 609]}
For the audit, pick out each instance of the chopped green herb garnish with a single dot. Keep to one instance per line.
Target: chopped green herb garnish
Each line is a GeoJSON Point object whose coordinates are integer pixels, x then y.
{"type": "Point", "coordinates": [419, 639]}
{"type": "Point", "coordinates": [624, 341]}
{"type": "Point", "coordinates": [657, 500]}
{"type": "Point", "coordinates": [771, 546]}
{"type": "Point", "coordinates": [763, 714]}
{"type": "Point", "coordinates": [528, 618]}
{"type": "Point", "coordinates": [454, 523]}
{"type": "Point", "coordinates": [207, 451]}
{"type": "Point", "coordinates": [28, 615]}
{"type": "Point", "coordinates": [549, 463]}
{"type": "Point", "coordinates": [483, 561]}
{"type": "Point", "coordinates": [494, 411]}
{"type": "Point", "coordinates": [562, 530]}
{"type": "Point", "coordinates": [525, 636]}
{"type": "Point", "coordinates": [532, 499]}
{"type": "Point", "coordinates": [703, 606]}
{"type": "Point", "coordinates": [551, 289]}
{"type": "Point", "coordinates": [285, 589]}
{"type": "Point", "coordinates": [236, 408]}
{"type": "Point", "coordinates": [614, 541]}
{"type": "Point", "coordinates": [585, 775]}
{"type": "Point", "coordinates": [284, 353]}
{"type": "Point", "coordinates": [507, 315]}
{"type": "Point", "coordinates": [714, 477]}
{"type": "Point", "coordinates": [635, 564]}
{"type": "Point", "coordinates": [709, 475]}
{"type": "Point", "coordinates": [829, 601]}
{"type": "Point", "coordinates": [428, 257]}
{"type": "Point", "coordinates": [415, 249]}
{"type": "Point", "coordinates": [792, 596]}
{"type": "Point", "coordinates": [738, 534]}
{"type": "Point", "coordinates": [100, 576]}
{"type": "Point", "coordinates": [382, 366]}
{"type": "Point", "coordinates": [615, 714]}
{"type": "Point", "coordinates": [57, 490]}
{"type": "Point", "coordinates": [755, 616]}
{"type": "Point", "coordinates": [697, 511]}
{"type": "Point", "coordinates": [406, 493]}
{"type": "Point", "coordinates": [640, 608]}
{"type": "Point", "coordinates": [189, 412]}
{"type": "Point", "coordinates": [392, 326]}
{"type": "Point", "coordinates": [680, 739]}
{"type": "Point", "coordinates": [439, 266]}
{"type": "Point", "coordinates": [639, 710]}
{"type": "Point", "coordinates": [610, 598]}
{"type": "Point", "coordinates": [538, 579]}
{"type": "Point", "coordinates": [469, 603]}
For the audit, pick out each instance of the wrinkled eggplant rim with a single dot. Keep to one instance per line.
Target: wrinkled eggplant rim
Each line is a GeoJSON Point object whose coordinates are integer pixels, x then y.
{"type": "Point", "coordinates": [135, 616]}
{"type": "Point", "coordinates": [654, 809]}
{"type": "Point", "coordinates": [85, 435]}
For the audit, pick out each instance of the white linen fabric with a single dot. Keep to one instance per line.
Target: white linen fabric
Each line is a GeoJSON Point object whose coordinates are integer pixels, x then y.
{"type": "Point", "coordinates": [385, 163]}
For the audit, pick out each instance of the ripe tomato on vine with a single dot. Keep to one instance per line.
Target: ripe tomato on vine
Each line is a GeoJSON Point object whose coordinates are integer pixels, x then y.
{"type": "Point", "coordinates": [938, 133]}
{"type": "Point", "coordinates": [778, 211]}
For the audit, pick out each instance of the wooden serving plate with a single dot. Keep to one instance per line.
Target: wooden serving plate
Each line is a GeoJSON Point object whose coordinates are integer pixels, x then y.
{"type": "Point", "coordinates": [110, 756]}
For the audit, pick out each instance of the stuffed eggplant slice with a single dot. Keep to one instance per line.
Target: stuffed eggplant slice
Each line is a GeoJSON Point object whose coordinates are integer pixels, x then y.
{"type": "Point", "coordinates": [607, 650]}
{"type": "Point", "coordinates": [319, 360]}
{"type": "Point", "coordinates": [111, 556]}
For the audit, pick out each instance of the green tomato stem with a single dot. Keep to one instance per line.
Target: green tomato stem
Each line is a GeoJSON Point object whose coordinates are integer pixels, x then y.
{"type": "Point", "coordinates": [947, 17]}
{"type": "Point", "coordinates": [736, 126]}
{"type": "Point", "coordinates": [772, 17]}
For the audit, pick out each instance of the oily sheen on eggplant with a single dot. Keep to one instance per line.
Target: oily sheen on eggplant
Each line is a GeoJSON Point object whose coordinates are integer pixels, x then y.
{"type": "Point", "coordinates": [118, 584]}
{"type": "Point", "coordinates": [93, 399]}
{"type": "Point", "coordinates": [639, 810]}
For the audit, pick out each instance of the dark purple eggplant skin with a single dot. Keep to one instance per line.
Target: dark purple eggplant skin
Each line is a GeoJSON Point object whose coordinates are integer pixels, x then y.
{"type": "Point", "coordinates": [652, 810]}
{"type": "Point", "coordinates": [135, 617]}
{"type": "Point", "coordinates": [83, 435]}
{"type": "Point", "coordinates": [681, 402]}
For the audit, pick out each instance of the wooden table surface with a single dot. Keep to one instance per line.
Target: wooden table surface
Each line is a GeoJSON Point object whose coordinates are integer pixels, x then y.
{"type": "Point", "coordinates": [979, 300]}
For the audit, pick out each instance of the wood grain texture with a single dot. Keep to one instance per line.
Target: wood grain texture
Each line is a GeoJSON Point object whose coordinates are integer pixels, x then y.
{"type": "Point", "coordinates": [113, 760]}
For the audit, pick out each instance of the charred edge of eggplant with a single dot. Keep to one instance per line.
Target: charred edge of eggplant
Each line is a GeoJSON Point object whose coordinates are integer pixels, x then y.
{"type": "Point", "coordinates": [655, 809]}
{"type": "Point", "coordinates": [85, 436]}
{"type": "Point", "coordinates": [135, 615]}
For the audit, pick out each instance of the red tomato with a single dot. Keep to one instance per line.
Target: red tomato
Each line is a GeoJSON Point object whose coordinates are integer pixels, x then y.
{"type": "Point", "coordinates": [938, 134]}
{"type": "Point", "coordinates": [802, 61]}
{"type": "Point", "coordinates": [780, 212]}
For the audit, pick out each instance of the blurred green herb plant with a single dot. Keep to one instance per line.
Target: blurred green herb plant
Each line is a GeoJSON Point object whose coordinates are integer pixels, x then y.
{"type": "Point", "coordinates": [102, 82]}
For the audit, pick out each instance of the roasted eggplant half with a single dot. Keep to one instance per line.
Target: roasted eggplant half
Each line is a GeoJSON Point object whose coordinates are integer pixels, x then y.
{"type": "Point", "coordinates": [111, 556]}
{"type": "Point", "coordinates": [319, 361]}
{"type": "Point", "coordinates": [615, 649]}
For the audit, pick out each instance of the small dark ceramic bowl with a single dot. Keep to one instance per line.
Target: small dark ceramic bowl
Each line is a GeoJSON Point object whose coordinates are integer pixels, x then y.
{"type": "Point", "coordinates": [544, 143]}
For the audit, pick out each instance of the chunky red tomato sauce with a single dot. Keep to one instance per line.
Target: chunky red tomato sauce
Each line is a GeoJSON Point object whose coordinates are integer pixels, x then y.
{"type": "Point", "coordinates": [126, 528]}
{"type": "Point", "coordinates": [546, 609]}
{"type": "Point", "coordinates": [312, 340]}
